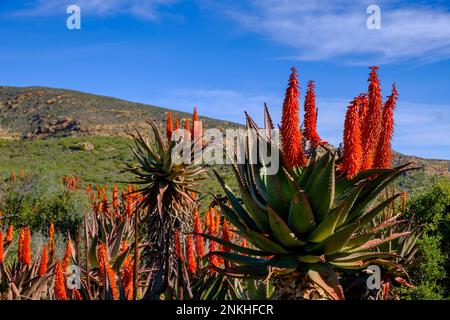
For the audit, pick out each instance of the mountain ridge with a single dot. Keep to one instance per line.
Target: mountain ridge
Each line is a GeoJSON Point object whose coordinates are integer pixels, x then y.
{"type": "Point", "coordinates": [41, 112]}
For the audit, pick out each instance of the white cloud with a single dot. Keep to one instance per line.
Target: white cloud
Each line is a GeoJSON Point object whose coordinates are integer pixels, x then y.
{"type": "Point", "coordinates": [420, 129]}
{"type": "Point", "coordinates": [146, 9]}
{"type": "Point", "coordinates": [323, 29]}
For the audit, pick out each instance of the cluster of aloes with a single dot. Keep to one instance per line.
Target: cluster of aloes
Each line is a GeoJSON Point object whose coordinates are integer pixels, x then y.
{"type": "Point", "coordinates": [72, 183]}
{"type": "Point", "coordinates": [100, 263]}
{"type": "Point", "coordinates": [314, 215]}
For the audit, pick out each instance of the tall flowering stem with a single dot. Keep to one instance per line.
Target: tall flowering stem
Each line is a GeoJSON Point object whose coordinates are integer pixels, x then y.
{"type": "Point", "coordinates": [192, 262]}
{"type": "Point", "coordinates": [25, 246]}
{"type": "Point", "coordinates": [67, 255]}
{"type": "Point", "coordinates": [199, 241]}
{"type": "Point", "coordinates": [371, 125]}
{"type": "Point", "coordinates": [311, 116]}
{"type": "Point", "coordinates": [384, 151]}
{"type": "Point", "coordinates": [108, 275]}
{"type": "Point", "coordinates": [44, 261]}
{"type": "Point", "coordinates": [9, 234]}
{"type": "Point", "coordinates": [291, 135]}
{"type": "Point", "coordinates": [1, 247]}
{"type": "Point", "coordinates": [352, 139]}
{"type": "Point", "coordinates": [169, 126]}
{"type": "Point", "coordinates": [60, 283]}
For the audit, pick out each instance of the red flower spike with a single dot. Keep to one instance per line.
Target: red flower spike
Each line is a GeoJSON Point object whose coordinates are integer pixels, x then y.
{"type": "Point", "coordinates": [291, 135]}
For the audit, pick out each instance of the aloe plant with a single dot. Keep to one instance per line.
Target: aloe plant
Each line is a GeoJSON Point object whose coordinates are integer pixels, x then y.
{"type": "Point", "coordinates": [168, 187]}
{"type": "Point", "coordinates": [306, 223]}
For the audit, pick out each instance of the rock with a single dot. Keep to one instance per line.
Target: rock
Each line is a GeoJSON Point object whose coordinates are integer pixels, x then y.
{"type": "Point", "coordinates": [88, 146]}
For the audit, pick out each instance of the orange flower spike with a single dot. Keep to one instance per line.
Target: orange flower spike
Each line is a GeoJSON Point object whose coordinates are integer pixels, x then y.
{"type": "Point", "coordinates": [177, 246]}
{"type": "Point", "coordinates": [197, 130]}
{"type": "Point", "coordinates": [76, 295]}
{"type": "Point", "coordinates": [115, 199]}
{"type": "Point", "coordinates": [67, 255]}
{"type": "Point", "coordinates": [371, 126]}
{"type": "Point", "coordinates": [43, 263]}
{"type": "Point", "coordinates": [107, 271]}
{"type": "Point", "coordinates": [217, 222]}
{"type": "Point", "coordinates": [225, 236]}
{"type": "Point", "coordinates": [20, 245]}
{"type": "Point", "coordinates": [169, 127]}
{"type": "Point", "coordinates": [9, 234]}
{"type": "Point", "coordinates": [1, 247]}
{"type": "Point", "coordinates": [208, 219]}
{"type": "Point", "coordinates": [176, 123]}
{"type": "Point", "coordinates": [187, 128]}
{"type": "Point", "coordinates": [88, 189]}
{"type": "Point", "coordinates": [192, 262]}
{"type": "Point", "coordinates": [127, 281]}
{"type": "Point", "coordinates": [213, 258]}
{"type": "Point", "coordinates": [60, 283]}
{"type": "Point", "coordinates": [384, 150]}
{"type": "Point", "coordinates": [244, 243]}
{"type": "Point", "coordinates": [311, 116]}
{"type": "Point", "coordinates": [352, 140]}
{"type": "Point", "coordinates": [199, 241]}
{"type": "Point", "coordinates": [25, 257]}
{"type": "Point", "coordinates": [291, 135]}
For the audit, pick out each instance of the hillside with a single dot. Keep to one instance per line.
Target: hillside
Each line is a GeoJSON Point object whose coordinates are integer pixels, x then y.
{"type": "Point", "coordinates": [30, 114]}
{"type": "Point", "coordinates": [37, 112]}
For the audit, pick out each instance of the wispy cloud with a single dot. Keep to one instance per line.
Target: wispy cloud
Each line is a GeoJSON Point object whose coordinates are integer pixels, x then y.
{"type": "Point", "coordinates": [146, 9]}
{"type": "Point", "coordinates": [324, 29]}
{"type": "Point", "coordinates": [420, 129]}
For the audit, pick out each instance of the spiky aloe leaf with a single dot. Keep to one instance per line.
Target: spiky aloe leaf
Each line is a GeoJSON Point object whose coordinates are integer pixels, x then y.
{"type": "Point", "coordinates": [373, 243]}
{"type": "Point", "coordinates": [279, 191]}
{"type": "Point", "coordinates": [337, 215]}
{"type": "Point", "coordinates": [333, 243]}
{"type": "Point", "coordinates": [242, 214]}
{"type": "Point", "coordinates": [237, 258]}
{"type": "Point", "coordinates": [320, 188]}
{"type": "Point", "coordinates": [265, 243]}
{"type": "Point", "coordinates": [322, 275]}
{"type": "Point", "coordinates": [235, 247]}
{"type": "Point", "coordinates": [301, 217]}
{"type": "Point", "coordinates": [281, 231]}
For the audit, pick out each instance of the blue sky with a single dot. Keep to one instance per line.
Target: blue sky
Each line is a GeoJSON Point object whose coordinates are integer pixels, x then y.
{"type": "Point", "coordinates": [229, 56]}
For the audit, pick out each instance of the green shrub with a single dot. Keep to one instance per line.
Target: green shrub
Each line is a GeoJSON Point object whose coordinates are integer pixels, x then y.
{"type": "Point", "coordinates": [431, 209]}
{"type": "Point", "coordinates": [36, 201]}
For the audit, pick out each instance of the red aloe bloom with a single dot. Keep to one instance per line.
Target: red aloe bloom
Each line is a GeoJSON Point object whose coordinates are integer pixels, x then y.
{"type": "Point", "coordinates": [311, 116]}
{"type": "Point", "coordinates": [352, 139]}
{"type": "Point", "coordinates": [9, 234]}
{"type": "Point", "coordinates": [192, 262]}
{"type": "Point", "coordinates": [177, 244]}
{"type": "Point", "coordinates": [25, 246]}
{"type": "Point", "coordinates": [76, 295]}
{"type": "Point", "coordinates": [384, 151]}
{"type": "Point", "coordinates": [197, 130]}
{"type": "Point", "coordinates": [199, 241]}
{"type": "Point", "coordinates": [169, 128]}
{"type": "Point", "coordinates": [127, 280]}
{"type": "Point", "coordinates": [116, 200]}
{"type": "Point", "coordinates": [225, 235]}
{"type": "Point", "coordinates": [291, 135]}
{"type": "Point", "coordinates": [176, 123]}
{"type": "Point", "coordinates": [1, 247]}
{"type": "Point", "coordinates": [67, 255]}
{"type": "Point", "coordinates": [60, 283]}
{"type": "Point", "coordinates": [44, 261]}
{"type": "Point", "coordinates": [107, 272]}
{"type": "Point", "coordinates": [213, 258]}
{"type": "Point", "coordinates": [371, 125]}
{"type": "Point", "coordinates": [187, 128]}
{"type": "Point", "coordinates": [51, 240]}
